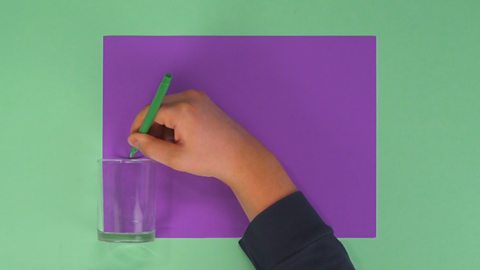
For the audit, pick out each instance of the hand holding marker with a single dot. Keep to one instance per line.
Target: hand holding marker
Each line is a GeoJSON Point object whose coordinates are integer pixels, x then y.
{"type": "Point", "coordinates": [214, 145]}
{"type": "Point", "coordinates": [154, 106]}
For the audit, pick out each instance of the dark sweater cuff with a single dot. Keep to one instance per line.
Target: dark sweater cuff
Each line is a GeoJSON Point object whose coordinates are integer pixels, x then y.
{"type": "Point", "coordinates": [282, 230]}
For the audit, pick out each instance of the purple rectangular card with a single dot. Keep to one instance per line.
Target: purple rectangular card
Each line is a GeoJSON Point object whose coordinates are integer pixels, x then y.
{"type": "Point", "coordinates": [311, 100]}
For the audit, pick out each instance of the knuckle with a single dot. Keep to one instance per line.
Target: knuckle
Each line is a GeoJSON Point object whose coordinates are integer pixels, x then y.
{"type": "Point", "coordinates": [145, 108]}
{"type": "Point", "coordinates": [185, 107]}
{"type": "Point", "coordinates": [196, 94]}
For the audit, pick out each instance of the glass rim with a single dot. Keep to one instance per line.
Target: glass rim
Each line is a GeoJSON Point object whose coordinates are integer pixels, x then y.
{"type": "Point", "coordinates": [125, 160]}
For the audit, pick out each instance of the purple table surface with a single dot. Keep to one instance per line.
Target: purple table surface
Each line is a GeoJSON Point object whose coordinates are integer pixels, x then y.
{"type": "Point", "coordinates": [309, 99]}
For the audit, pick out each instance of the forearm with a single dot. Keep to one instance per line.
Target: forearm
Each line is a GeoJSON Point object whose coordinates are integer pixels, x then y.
{"type": "Point", "coordinates": [285, 231]}
{"type": "Point", "coordinates": [260, 182]}
{"type": "Point", "coordinates": [290, 235]}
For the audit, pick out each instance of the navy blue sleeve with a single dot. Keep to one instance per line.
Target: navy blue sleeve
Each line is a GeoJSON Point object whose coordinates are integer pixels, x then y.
{"type": "Point", "coordinates": [290, 235]}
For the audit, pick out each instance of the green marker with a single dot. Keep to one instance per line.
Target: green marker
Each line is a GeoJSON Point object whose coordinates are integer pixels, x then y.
{"type": "Point", "coordinates": [154, 106]}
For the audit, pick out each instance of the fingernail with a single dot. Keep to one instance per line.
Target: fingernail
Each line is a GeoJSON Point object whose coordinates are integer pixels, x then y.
{"type": "Point", "coordinates": [133, 141]}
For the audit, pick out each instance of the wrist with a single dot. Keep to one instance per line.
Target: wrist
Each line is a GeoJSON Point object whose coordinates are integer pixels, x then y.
{"type": "Point", "coordinates": [259, 183]}
{"type": "Point", "coordinates": [248, 163]}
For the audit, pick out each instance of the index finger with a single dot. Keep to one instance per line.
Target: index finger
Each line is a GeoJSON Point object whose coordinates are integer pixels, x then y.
{"type": "Point", "coordinates": [137, 122]}
{"type": "Point", "coordinates": [164, 116]}
{"type": "Point", "coordinates": [168, 100]}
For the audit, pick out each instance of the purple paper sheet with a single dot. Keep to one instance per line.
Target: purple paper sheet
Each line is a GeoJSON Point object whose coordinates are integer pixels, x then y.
{"type": "Point", "coordinates": [311, 100]}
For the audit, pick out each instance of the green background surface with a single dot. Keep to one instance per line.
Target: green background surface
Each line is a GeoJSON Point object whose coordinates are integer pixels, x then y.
{"type": "Point", "coordinates": [50, 126]}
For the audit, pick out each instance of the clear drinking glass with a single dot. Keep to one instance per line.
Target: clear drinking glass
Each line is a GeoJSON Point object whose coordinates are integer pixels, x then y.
{"type": "Point", "coordinates": [126, 205]}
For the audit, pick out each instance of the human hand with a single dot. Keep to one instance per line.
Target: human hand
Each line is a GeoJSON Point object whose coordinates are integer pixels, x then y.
{"type": "Point", "coordinates": [207, 142]}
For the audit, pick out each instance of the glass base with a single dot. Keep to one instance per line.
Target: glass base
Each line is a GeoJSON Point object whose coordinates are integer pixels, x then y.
{"type": "Point", "coordinates": [126, 237]}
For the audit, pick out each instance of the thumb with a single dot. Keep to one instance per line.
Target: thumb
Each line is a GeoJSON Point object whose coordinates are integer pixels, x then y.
{"type": "Point", "coordinates": [159, 150]}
